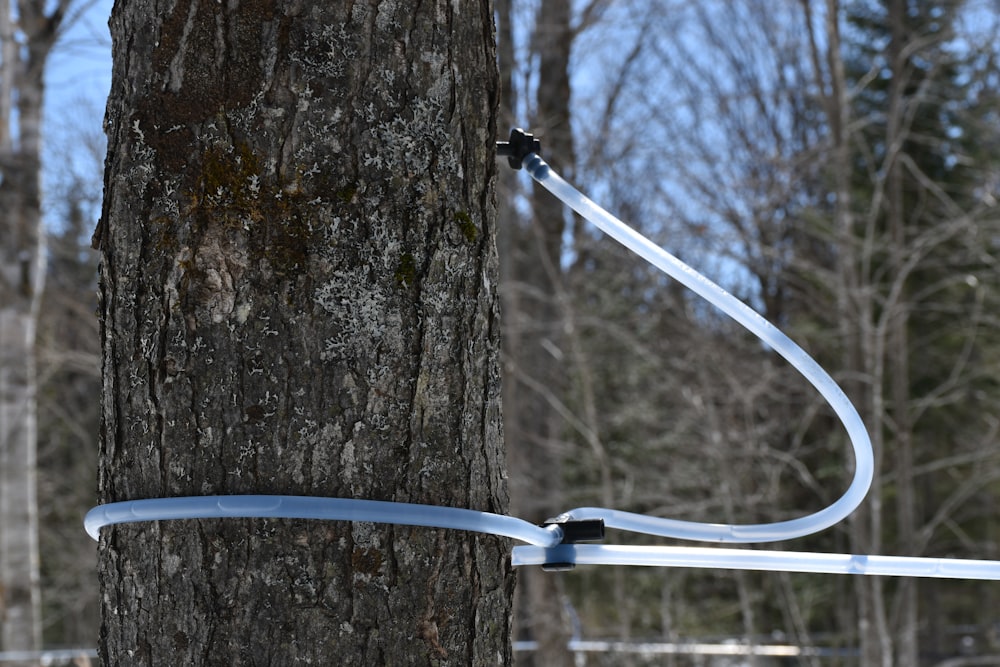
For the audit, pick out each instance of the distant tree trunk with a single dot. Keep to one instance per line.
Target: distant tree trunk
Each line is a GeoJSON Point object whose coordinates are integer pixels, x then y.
{"type": "Point", "coordinates": [532, 338]}
{"type": "Point", "coordinates": [860, 363]}
{"type": "Point", "coordinates": [907, 642]}
{"type": "Point", "coordinates": [298, 296]}
{"type": "Point", "coordinates": [26, 39]}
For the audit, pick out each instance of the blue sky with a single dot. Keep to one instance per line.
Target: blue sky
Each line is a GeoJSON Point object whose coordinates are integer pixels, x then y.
{"type": "Point", "coordinates": [82, 58]}
{"type": "Point", "coordinates": [78, 78]}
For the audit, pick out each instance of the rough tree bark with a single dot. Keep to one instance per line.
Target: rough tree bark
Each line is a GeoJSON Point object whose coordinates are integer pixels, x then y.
{"type": "Point", "coordinates": [298, 296]}
{"type": "Point", "coordinates": [27, 36]}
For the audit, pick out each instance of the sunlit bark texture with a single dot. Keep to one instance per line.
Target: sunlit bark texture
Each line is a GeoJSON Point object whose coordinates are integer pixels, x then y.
{"type": "Point", "coordinates": [298, 296]}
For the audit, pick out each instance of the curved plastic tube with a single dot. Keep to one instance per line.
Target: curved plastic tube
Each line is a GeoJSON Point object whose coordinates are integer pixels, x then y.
{"type": "Point", "coordinates": [746, 559]}
{"type": "Point", "coordinates": [687, 530]}
{"type": "Point", "coordinates": [306, 507]}
{"type": "Point", "coordinates": [546, 547]}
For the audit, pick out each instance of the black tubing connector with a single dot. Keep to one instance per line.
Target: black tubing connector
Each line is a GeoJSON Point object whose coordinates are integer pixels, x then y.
{"type": "Point", "coordinates": [585, 530]}
{"type": "Point", "coordinates": [521, 144]}
{"type": "Point", "coordinates": [574, 531]}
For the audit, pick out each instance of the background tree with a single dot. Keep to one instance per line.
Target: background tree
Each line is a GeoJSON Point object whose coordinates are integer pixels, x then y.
{"type": "Point", "coordinates": [761, 143]}
{"type": "Point", "coordinates": [297, 286]}
{"type": "Point", "coordinates": [922, 164]}
{"type": "Point", "coordinates": [29, 30]}
{"type": "Point", "coordinates": [69, 379]}
{"type": "Point", "coordinates": [533, 323]}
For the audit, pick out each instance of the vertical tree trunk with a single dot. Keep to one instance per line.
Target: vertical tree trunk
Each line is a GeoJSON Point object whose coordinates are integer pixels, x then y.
{"type": "Point", "coordinates": [25, 44]}
{"type": "Point", "coordinates": [20, 601]}
{"type": "Point", "coordinates": [534, 334]}
{"type": "Point", "coordinates": [298, 296]}
{"type": "Point", "coordinates": [856, 315]}
{"type": "Point", "coordinates": [898, 346]}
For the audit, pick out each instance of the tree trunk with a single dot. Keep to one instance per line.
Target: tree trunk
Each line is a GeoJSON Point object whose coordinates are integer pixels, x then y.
{"type": "Point", "coordinates": [860, 363]}
{"type": "Point", "coordinates": [898, 345]}
{"type": "Point", "coordinates": [532, 338]}
{"type": "Point", "coordinates": [19, 574]}
{"type": "Point", "coordinates": [298, 296]}
{"type": "Point", "coordinates": [25, 44]}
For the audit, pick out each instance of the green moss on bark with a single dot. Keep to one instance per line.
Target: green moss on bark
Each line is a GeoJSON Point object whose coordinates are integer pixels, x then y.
{"type": "Point", "coordinates": [467, 226]}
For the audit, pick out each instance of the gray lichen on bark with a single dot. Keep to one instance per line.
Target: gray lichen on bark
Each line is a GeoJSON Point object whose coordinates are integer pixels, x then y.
{"type": "Point", "coordinates": [298, 287]}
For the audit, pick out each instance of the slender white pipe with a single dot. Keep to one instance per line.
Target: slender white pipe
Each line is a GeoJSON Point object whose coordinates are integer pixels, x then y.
{"type": "Point", "coordinates": [747, 559]}
{"type": "Point", "coordinates": [308, 507]}
{"type": "Point", "coordinates": [864, 465]}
